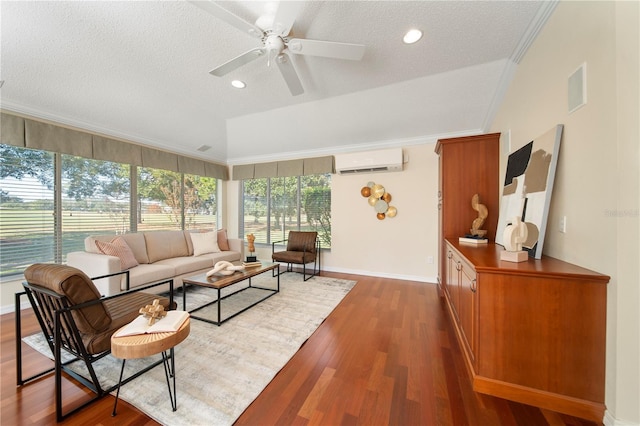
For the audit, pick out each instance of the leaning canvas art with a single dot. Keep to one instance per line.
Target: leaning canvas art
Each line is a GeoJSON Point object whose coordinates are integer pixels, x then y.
{"type": "Point", "coordinates": [527, 188]}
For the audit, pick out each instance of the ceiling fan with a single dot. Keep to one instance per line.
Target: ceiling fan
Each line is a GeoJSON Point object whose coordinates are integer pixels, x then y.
{"type": "Point", "coordinates": [273, 31]}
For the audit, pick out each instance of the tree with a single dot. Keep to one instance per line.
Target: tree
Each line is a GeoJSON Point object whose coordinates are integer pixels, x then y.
{"type": "Point", "coordinates": [106, 178]}
{"type": "Point", "coordinates": [316, 202]}
{"type": "Point", "coordinates": [18, 162]}
{"type": "Point", "coordinates": [7, 199]}
{"type": "Point", "coordinates": [199, 193]}
{"type": "Point", "coordinates": [255, 196]}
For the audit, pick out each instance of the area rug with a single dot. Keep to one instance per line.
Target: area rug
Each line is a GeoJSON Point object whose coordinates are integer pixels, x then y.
{"type": "Point", "coordinates": [222, 369]}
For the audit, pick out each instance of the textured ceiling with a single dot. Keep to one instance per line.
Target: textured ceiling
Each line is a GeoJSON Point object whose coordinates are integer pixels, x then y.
{"type": "Point", "coordinates": [139, 70]}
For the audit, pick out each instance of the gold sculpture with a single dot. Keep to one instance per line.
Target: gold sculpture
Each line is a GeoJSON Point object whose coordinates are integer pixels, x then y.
{"type": "Point", "coordinates": [482, 216]}
{"type": "Point", "coordinates": [154, 311]}
{"type": "Point", "coordinates": [250, 243]}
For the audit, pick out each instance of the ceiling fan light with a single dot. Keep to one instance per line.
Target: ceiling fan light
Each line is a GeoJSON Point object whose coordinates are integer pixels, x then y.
{"type": "Point", "coordinates": [238, 84]}
{"type": "Point", "coordinates": [412, 36]}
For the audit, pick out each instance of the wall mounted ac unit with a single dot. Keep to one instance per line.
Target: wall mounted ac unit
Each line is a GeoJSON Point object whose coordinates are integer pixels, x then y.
{"type": "Point", "coordinates": [386, 160]}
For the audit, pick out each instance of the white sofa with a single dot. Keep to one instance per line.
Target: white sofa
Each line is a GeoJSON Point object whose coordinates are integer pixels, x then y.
{"type": "Point", "coordinates": [159, 255]}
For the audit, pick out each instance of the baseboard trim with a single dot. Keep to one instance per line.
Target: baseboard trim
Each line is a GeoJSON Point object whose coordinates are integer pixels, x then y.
{"type": "Point", "coordinates": [610, 420]}
{"type": "Point", "coordinates": [539, 398]}
{"type": "Point", "coordinates": [422, 279]}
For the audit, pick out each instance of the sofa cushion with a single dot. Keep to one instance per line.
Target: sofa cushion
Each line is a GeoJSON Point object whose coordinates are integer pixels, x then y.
{"type": "Point", "coordinates": [205, 242]}
{"type": "Point", "coordinates": [146, 274]}
{"type": "Point", "coordinates": [223, 241]}
{"type": "Point", "coordinates": [118, 247]}
{"type": "Point", "coordinates": [165, 245]}
{"type": "Point", "coordinates": [223, 255]}
{"type": "Point", "coordinates": [138, 246]}
{"type": "Point", "coordinates": [187, 237]}
{"type": "Point", "coordinates": [184, 265]}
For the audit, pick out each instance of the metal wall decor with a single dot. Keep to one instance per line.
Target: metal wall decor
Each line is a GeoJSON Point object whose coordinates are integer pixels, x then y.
{"type": "Point", "coordinates": [379, 199]}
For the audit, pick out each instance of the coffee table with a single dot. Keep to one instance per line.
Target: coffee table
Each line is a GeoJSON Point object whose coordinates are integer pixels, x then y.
{"type": "Point", "coordinates": [219, 281]}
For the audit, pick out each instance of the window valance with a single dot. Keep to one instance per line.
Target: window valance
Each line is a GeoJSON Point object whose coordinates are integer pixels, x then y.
{"type": "Point", "coordinates": [28, 133]}
{"type": "Point", "coordinates": [12, 130]}
{"type": "Point", "coordinates": [266, 170]}
{"type": "Point", "coordinates": [48, 137]}
{"type": "Point", "coordinates": [108, 149]}
{"type": "Point", "coordinates": [243, 172]}
{"type": "Point", "coordinates": [307, 166]}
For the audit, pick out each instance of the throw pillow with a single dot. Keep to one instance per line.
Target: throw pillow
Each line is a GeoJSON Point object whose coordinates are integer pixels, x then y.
{"type": "Point", "coordinates": [204, 242]}
{"type": "Point", "coordinates": [223, 242]}
{"type": "Point", "coordinates": [118, 247]}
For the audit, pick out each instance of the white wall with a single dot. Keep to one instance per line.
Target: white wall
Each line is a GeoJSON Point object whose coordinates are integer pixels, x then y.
{"type": "Point", "coordinates": [597, 179]}
{"type": "Point", "coordinates": [397, 247]}
{"type": "Point", "coordinates": [393, 247]}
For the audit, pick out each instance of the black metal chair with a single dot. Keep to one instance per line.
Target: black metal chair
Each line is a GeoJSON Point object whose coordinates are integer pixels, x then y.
{"type": "Point", "coordinates": [303, 247]}
{"type": "Point", "coordinates": [77, 320]}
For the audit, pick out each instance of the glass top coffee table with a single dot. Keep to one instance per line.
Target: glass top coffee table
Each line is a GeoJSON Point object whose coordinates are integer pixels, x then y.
{"type": "Point", "coordinates": [218, 282]}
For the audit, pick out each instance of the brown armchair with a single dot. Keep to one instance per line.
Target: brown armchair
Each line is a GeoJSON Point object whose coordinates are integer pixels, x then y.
{"type": "Point", "coordinates": [303, 247]}
{"type": "Point", "coordinates": [76, 320]}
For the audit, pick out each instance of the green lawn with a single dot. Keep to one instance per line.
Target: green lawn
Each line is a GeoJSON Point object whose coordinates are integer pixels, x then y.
{"type": "Point", "coordinates": [26, 236]}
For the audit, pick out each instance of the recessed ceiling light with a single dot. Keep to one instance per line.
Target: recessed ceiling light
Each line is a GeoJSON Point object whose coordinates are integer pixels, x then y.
{"type": "Point", "coordinates": [412, 36]}
{"type": "Point", "coordinates": [238, 84]}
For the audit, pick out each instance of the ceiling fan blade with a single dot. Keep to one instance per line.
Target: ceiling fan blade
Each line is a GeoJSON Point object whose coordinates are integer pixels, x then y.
{"type": "Point", "coordinates": [228, 17]}
{"type": "Point", "coordinates": [289, 74]}
{"type": "Point", "coordinates": [285, 16]}
{"type": "Point", "coordinates": [237, 62]}
{"type": "Point", "coordinates": [329, 49]}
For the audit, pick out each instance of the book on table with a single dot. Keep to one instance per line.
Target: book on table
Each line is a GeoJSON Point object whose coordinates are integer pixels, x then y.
{"type": "Point", "coordinates": [251, 264]}
{"type": "Point", "coordinates": [168, 324]}
{"type": "Point", "coordinates": [472, 240]}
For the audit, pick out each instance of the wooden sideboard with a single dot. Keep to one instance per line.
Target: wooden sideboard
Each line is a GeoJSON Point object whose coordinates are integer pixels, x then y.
{"type": "Point", "coordinates": [467, 166]}
{"type": "Point", "coordinates": [532, 332]}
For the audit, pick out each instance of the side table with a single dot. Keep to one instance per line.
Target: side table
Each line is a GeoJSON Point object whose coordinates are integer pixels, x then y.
{"type": "Point", "coordinates": [144, 345]}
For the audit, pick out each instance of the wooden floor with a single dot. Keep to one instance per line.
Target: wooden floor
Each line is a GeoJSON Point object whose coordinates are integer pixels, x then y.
{"type": "Point", "coordinates": [387, 355]}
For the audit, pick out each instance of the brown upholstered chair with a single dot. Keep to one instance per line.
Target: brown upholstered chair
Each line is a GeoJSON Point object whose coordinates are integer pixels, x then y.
{"type": "Point", "coordinates": [303, 247]}
{"type": "Point", "coordinates": [77, 320]}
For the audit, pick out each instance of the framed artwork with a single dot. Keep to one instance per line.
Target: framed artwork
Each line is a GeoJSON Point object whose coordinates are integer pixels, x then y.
{"type": "Point", "coordinates": [527, 188]}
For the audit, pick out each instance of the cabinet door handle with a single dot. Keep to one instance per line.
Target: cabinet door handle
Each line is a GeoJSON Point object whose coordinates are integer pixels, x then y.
{"type": "Point", "coordinates": [458, 266]}
{"type": "Point", "coordinates": [473, 286]}
{"type": "Point", "coordinates": [449, 255]}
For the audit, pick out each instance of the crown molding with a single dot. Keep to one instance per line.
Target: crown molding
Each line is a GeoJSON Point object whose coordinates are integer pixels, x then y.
{"type": "Point", "coordinates": [80, 125]}
{"type": "Point", "coordinates": [508, 71]}
{"type": "Point", "coordinates": [544, 12]}
{"type": "Point", "coordinates": [366, 146]}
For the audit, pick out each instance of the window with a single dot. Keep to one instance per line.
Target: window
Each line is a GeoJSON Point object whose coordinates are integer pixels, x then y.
{"type": "Point", "coordinates": [96, 205]}
{"type": "Point", "coordinates": [271, 207]}
{"type": "Point", "coordinates": [26, 208]}
{"type": "Point", "coordinates": [159, 199]}
{"type": "Point", "coordinates": [200, 202]}
{"type": "Point", "coordinates": [49, 203]}
{"type": "Point", "coordinates": [169, 200]}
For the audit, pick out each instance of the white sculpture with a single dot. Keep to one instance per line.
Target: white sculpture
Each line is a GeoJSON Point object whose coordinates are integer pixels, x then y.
{"type": "Point", "coordinates": [514, 235]}
{"type": "Point", "coordinates": [225, 268]}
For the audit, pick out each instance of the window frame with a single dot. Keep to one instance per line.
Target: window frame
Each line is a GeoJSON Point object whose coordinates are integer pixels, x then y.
{"type": "Point", "coordinates": [56, 171]}
{"type": "Point", "coordinates": [268, 215]}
